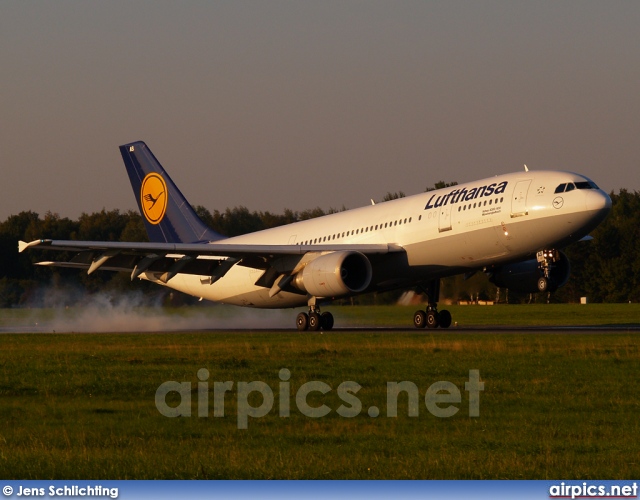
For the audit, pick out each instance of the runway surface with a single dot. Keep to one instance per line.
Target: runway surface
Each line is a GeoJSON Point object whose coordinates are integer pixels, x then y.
{"type": "Point", "coordinates": [501, 329]}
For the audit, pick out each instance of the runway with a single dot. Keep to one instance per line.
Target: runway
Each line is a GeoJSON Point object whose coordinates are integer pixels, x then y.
{"type": "Point", "coordinates": [482, 330]}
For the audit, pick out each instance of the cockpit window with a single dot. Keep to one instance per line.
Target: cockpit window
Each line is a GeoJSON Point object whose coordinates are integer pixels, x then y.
{"type": "Point", "coordinates": [570, 186]}
{"type": "Point", "coordinates": [586, 185]}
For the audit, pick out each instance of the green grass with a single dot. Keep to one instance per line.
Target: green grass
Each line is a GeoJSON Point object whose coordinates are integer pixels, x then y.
{"type": "Point", "coordinates": [554, 406]}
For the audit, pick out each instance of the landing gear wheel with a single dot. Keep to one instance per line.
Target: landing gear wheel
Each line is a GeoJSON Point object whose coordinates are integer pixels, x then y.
{"type": "Point", "coordinates": [444, 318]}
{"type": "Point", "coordinates": [326, 320]}
{"type": "Point", "coordinates": [420, 319]}
{"type": "Point", "coordinates": [302, 322]}
{"type": "Point", "coordinates": [543, 284]}
{"type": "Point", "coordinates": [432, 319]}
{"type": "Point", "coordinates": [314, 322]}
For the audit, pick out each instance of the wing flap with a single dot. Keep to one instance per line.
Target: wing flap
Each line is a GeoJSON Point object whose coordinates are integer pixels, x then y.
{"type": "Point", "coordinates": [195, 249]}
{"type": "Point", "coordinates": [163, 267]}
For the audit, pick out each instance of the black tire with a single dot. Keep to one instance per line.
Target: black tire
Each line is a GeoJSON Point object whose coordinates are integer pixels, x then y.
{"type": "Point", "coordinates": [432, 319]}
{"type": "Point", "coordinates": [314, 322]}
{"type": "Point", "coordinates": [302, 322]}
{"type": "Point", "coordinates": [444, 318]}
{"type": "Point", "coordinates": [420, 319]}
{"type": "Point", "coordinates": [326, 320]}
{"type": "Point", "coordinates": [543, 284]}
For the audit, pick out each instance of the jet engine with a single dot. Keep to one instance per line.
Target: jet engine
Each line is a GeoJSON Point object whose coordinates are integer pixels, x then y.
{"type": "Point", "coordinates": [335, 274]}
{"type": "Point", "coordinates": [546, 273]}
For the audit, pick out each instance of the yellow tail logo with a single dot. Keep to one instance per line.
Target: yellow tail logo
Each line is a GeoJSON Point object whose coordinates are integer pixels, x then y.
{"type": "Point", "coordinates": [154, 197]}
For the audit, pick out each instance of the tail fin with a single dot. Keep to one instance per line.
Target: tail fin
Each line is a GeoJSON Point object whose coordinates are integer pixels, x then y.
{"type": "Point", "coordinates": [167, 214]}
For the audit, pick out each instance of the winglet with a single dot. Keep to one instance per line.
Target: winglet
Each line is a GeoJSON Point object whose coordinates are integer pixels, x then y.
{"type": "Point", "coordinates": [23, 245]}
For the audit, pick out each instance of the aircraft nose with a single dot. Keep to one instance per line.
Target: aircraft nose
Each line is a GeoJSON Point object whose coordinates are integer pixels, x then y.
{"type": "Point", "coordinates": [598, 201]}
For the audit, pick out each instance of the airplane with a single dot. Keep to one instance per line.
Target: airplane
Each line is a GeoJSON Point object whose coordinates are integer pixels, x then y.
{"type": "Point", "coordinates": [512, 227]}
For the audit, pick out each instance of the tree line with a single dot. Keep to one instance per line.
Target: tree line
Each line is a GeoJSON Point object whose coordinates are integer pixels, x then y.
{"type": "Point", "coordinates": [606, 269]}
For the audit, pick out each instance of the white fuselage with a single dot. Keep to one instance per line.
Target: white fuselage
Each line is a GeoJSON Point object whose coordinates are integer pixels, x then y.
{"type": "Point", "coordinates": [445, 232]}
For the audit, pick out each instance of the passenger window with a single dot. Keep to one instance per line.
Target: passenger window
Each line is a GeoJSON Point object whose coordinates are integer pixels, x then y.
{"type": "Point", "coordinates": [560, 188]}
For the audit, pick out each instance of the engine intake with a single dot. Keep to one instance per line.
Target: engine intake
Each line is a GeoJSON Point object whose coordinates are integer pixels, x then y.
{"type": "Point", "coordinates": [548, 272]}
{"type": "Point", "coordinates": [335, 274]}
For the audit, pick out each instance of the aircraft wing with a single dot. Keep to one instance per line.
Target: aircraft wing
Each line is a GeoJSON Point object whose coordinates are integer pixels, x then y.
{"type": "Point", "coordinates": [165, 260]}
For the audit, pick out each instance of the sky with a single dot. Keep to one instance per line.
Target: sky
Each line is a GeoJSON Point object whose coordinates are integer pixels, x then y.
{"type": "Point", "coordinates": [302, 104]}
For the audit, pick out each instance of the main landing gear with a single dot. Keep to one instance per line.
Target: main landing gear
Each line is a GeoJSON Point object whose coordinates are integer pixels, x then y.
{"type": "Point", "coordinates": [315, 320]}
{"type": "Point", "coordinates": [432, 318]}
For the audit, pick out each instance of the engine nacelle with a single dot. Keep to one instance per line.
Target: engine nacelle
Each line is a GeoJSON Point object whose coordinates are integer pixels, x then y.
{"type": "Point", "coordinates": [529, 276]}
{"type": "Point", "coordinates": [335, 274]}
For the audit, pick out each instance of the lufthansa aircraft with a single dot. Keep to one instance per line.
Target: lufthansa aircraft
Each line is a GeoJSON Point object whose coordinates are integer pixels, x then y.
{"type": "Point", "coordinates": [512, 227]}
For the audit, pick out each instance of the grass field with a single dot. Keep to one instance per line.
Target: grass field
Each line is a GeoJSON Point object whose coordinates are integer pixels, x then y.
{"type": "Point", "coordinates": [554, 405]}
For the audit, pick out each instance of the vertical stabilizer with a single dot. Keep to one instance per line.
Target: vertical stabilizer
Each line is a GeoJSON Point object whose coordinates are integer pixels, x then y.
{"type": "Point", "coordinates": [167, 215]}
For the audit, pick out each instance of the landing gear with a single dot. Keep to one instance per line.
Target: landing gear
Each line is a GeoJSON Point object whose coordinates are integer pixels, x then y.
{"type": "Point", "coordinates": [543, 284]}
{"type": "Point", "coordinates": [302, 321]}
{"type": "Point", "coordinates": [419, 319]}
{"type": "Point", "coordinates": [431, 318]}
{"type": "Point", "coordinates": [445, 319]}
{"type": "Point", "coordinates": [315, 320]}
{"type": "Point", "coordinates": [547, 261]}
{"type": "Point", "coordinates": [326, 320]}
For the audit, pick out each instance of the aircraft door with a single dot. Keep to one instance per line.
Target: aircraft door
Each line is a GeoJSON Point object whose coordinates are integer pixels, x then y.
{"type": "Point", "coordinates": [444, 219]}
{"type": "Point", "coordinates": [519, 199]}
